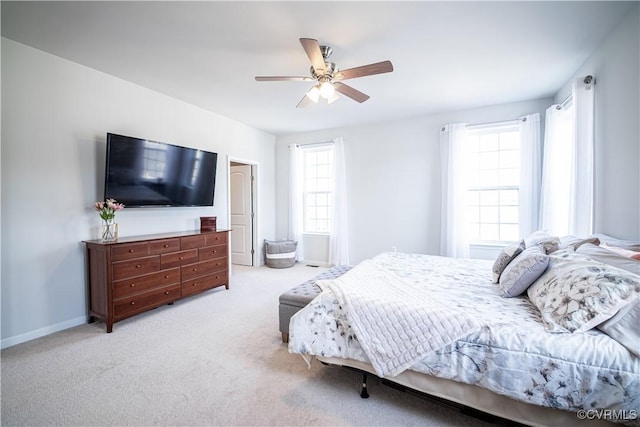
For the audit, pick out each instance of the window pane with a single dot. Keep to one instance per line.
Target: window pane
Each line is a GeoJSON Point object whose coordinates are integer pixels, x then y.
{"type": "Point", "coordinates": [489, 142]}
{"type": "Point", "coordinates": [510, 176]}
{"type": "Point", "coordinates": [473, 198]}
{"type": "Point", "coordinates": [489, 214]}
{"type": "Point", "coordinates": [510, 159]}
{"type": "Point", "coordinates": [510, 140]}
{"type": "Point", "coordinates": [473, 214]}
{"type": "Point", "coordinates": [488, 178]}
{"type": "Point", "coordinates": [489, 197]}
{"type": "Point", "coordinates": [509, 232]}
{"type": "Point", "coordinates": [509, 214]}
{"type": "Point", "coordinates": [509, 197]}
{"type": "Point", "coordinates": [474, 231]}
{"type": "Point", "coordinates": [489, 232]}
{"type": "Point", "coordinates": [489, 160]}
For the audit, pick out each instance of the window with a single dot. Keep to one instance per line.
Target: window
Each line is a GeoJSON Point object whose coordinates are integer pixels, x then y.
{"type": "Point", "coordinates": [317, 188]}
{"type": "Point", "coordinates": [155, 159]}
{"type": "Point", "coordinates": [494, 178]}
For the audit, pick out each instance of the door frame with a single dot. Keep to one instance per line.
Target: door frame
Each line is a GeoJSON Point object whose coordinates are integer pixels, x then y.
{"type": "Point", "coordinates": [254, 200]}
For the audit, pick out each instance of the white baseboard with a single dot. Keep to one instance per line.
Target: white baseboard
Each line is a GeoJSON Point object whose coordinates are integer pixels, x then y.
{"type": "Point", "coordinates": [19, 339]}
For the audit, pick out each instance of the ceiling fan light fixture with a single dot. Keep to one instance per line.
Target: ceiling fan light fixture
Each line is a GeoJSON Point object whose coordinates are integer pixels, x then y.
{"type": "Point", "coordinates": [314, 94]}
{"type": "Point", "coordinates": [333, 99]}
{"type": "Point", "coordinates": [327, 90]}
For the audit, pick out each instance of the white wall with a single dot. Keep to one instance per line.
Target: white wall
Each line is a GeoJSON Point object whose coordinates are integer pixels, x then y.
{"type": "Point", "coordinates": [393, 178]}
{"type": "Point", "coordinates": [615, 66]}
{"type": "Point", "coordinates": [56, 114]}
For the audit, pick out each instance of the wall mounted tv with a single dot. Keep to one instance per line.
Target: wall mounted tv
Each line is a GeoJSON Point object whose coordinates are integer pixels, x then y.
{"type": "Point", "coordinates": [143, 173]}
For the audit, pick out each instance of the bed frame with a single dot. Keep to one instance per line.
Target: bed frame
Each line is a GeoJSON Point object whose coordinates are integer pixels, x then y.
{"type": "Point", "coordinates": [470, 398]}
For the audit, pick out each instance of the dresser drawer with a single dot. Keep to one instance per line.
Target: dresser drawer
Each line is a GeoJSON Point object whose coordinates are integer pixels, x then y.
{"type": "Point", "coordinates": [136, 267]}
{"type": "Point", "coordinates": [203, 283]}
{"type": "Point", "coordinates": [144, 301]}
{"type": "Point", "coordinates": [129, 251]}
{"type": "Point", "coordinates": [164, 246]}
{"type": "Point", "coordinates": [204, 267]}
{"type": "Point", "coordinates": [192, 242]}
{"type": "Point", "coordinates": [212, 252]}
{"type": "Point", "coordinates": [215, 239]}
{"type": "Point", "coordinates": [161, 279]}
{"type": "Point", "coordinates": [176, 259]}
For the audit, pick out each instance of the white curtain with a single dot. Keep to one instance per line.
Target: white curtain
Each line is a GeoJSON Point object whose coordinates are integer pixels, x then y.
{"type": "Point", "coordinates": [530, 173]}
{"type": "Point", "coordinates": [582, 203]}
{"type": "Point", "coordinates": [338, 240]}
{"type": "Point", "coordinates": [296, 219]}
{"type": "Point", "coordinates": [567, 205]}
{"type": "Point", "coordinates": [454, 240]}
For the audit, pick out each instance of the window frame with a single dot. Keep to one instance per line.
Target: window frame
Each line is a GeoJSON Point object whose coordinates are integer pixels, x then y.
{"type": "Point", "coordinates": [477, 131]}
{"type": "Point", "coordinates": [306, 192]}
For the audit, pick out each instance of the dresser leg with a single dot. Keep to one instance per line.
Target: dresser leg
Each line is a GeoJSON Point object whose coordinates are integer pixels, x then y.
{"type": "Point", "coordinates": [109, 327]}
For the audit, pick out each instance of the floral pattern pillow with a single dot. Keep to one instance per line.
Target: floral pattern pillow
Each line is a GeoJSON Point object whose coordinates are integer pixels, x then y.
{"type": "Point", "coordinates": [576, 293]}
{"type": "Point", "coordinates": [505, 256]}
{"type": "Point", "coordinates": [523, 271]}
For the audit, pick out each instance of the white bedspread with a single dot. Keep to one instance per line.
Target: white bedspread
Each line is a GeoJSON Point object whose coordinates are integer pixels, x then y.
{"type": "Point", "coordinates": [396, 321]}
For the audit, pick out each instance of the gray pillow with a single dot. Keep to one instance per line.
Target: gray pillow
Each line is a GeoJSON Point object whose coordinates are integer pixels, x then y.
{"type": "Point", "coordinates": [598, 253]}
{"type": "Point", "coordinates": [504, 258]}
{"type": "Point", "coordinates": [623, 327]}
{"type": "Point", "coordinates": [576, 242]}
{"type": "Point", "coordinates": [523, 271]}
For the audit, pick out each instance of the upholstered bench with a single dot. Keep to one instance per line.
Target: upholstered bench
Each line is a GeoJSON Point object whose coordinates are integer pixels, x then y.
{"type": "Point", "coordinates": [296, 298]}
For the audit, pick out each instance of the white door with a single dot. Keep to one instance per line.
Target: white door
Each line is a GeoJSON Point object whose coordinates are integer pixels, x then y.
{"type": "Point", "coordinates": [241, 215]}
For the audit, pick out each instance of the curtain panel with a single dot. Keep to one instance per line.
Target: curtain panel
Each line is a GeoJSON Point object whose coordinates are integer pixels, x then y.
{"type": "Point", "coordinates": [339, 233]}
{"type": "Point", "coordinates": [530, 173]}
{"type": "Point", "coordinates": [454, 162]}
{"type": "Point", "coordinates": [296, 224]}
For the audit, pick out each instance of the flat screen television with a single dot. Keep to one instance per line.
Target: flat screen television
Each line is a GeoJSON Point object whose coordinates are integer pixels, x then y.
{"type": "Point", "coordinates": [143, 173]}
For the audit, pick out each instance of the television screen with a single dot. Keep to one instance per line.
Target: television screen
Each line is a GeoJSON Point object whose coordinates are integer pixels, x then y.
{"type": "Point", "coordinates": [141, 173]}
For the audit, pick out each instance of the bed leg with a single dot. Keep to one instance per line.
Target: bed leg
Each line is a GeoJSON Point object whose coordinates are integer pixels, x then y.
{"type": "Point", "coordinates": [364, 393]}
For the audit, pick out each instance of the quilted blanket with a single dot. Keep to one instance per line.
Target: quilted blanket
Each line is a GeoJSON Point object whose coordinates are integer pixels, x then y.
{"type": "Point", "coordinates": [396, 321]}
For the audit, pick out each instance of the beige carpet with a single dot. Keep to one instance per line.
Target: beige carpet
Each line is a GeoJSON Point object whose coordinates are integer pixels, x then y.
{"type": "Point", "coordinates": [213, 359]}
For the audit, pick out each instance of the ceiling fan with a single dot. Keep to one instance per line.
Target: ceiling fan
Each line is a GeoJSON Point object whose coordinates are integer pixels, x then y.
{"type": "Point", "coordinates": [328, 76]}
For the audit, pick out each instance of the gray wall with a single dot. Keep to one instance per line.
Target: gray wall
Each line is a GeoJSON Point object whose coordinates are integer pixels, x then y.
{"type": "Point", "coordinates": [615, 65]}
{"type": "Point", "coordinates": [55, 116]}
{"type": "Point", "coordinates": [393, 178]}
{"type": "Point", "coordinates": [393, 169]}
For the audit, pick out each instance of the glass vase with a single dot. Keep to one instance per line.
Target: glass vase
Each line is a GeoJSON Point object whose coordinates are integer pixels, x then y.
{"type": "Point", "coordinates": [109, 230]}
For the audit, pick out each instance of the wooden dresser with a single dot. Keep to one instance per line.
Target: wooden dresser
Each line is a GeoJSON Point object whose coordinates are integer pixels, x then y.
{"type": "Point", "coordinates": [138, 273]}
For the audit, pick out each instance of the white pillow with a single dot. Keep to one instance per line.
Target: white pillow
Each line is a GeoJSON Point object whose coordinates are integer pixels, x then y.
{"type": "Point", "coordinates": [542, 238]}
{"type": "Point", "coordinates": [576, 293]}
{"type": "Point", "coordinates": [604, 255]}
{"type": "Point", "coordinates": [504, 258]}
{"type": "Point", "coordinates": [523, 271]}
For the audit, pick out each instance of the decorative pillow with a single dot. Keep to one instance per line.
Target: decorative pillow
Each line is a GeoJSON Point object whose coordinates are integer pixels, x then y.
{"type": "Point", "coordinates": [523, 271]}
{"type": "Point", "coordinates": [623, 327]}
{"type": "Point", "coordinates": [504, 258]}
{"type": "Point", "coordinates": [577, 293]}
{"type": "Point", "coordinates": [604, 255]}
{"type": "Point", "coordinates": [542, 238]}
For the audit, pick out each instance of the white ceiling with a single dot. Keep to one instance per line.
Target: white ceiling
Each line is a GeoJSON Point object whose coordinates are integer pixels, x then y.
{"type": "Point", "coordinates": [447, 55]}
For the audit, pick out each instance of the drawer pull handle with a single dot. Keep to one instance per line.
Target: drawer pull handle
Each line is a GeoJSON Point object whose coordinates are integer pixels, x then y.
{"type": "Point", "coordinates": [195, 284]}
{"type": "Point", "coordinates": [180, 257]}
{"type": "Point", "coordinates": [217, 277]}
{"type": "Point", "coordinates": [130, 251]}
{"type": "Point", "coordinates": [166, 277]}
{"type": "Point", "coordinates": [195, 269]}
{"type": "Point", "coordinates": [133, 285]}
{"type": "Point", "coordinates": [139, 265]}
{"type": "Point", "coordinates": [166, 293]}
{"type": "Point", "coordinates": [133, 303]}
{"type": "Point", "coordinates": [166, 245]}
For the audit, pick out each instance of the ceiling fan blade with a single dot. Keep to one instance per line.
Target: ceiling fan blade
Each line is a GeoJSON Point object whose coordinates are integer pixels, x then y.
{"type": "Point", "coordinates": [364, 70]}
{"type": "Point", "coordinates": [304, 102]}
{"type": "Point", "coordinates": [312, 48]}
{"type": "Point", "coordinates": [352, 93]}
{"type": "Point", "coordinates": [283, 78]}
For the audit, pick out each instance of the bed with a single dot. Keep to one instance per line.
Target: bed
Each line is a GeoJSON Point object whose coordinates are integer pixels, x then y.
{"type": "Point", "coordinates": [540, 354]}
